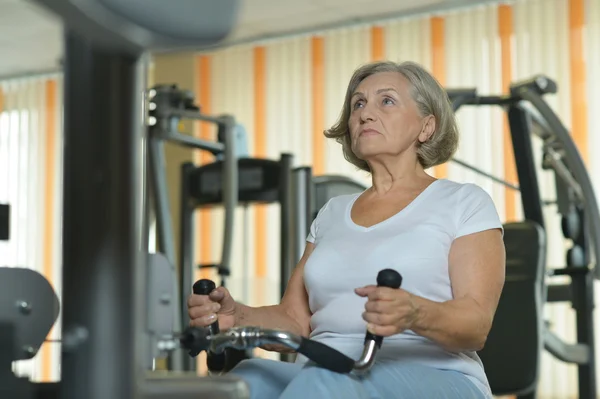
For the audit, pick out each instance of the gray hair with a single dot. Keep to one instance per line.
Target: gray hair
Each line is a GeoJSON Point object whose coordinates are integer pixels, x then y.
{"type": "Point", "coordinates": [431, 99]}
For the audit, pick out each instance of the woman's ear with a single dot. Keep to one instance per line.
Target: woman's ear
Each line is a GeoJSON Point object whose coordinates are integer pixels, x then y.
{"type": "Point", "coordinates": [428, 128]}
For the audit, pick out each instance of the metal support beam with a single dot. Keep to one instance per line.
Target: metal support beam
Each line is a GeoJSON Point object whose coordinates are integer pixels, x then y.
{"type": "Point", "coordinates": [103, 283]}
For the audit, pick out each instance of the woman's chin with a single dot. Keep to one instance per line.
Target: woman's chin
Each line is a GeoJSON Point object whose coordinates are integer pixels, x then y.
{"type": "Point", "coordinates": [367, 153]}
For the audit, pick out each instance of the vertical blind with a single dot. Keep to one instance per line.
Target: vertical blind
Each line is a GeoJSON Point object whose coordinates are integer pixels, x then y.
{"type": "Point", "coordinates": [30, 182]}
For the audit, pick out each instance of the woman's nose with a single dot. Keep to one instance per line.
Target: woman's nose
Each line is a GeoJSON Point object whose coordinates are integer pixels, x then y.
{"type": "Point", "coordinates": [367, 114]}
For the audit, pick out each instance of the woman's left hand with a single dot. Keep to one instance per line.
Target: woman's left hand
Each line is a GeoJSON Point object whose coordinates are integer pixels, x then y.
{"type": "Point", "coordinates": [388, 311]}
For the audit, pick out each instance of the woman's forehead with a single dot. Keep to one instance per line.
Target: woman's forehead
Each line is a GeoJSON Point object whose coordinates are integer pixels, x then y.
{"type": "Point", "coordinates": [380, 80]}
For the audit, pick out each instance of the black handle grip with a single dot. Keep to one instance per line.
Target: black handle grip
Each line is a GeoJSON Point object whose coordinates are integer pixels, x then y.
{"type": "Point", "coordinates": [326, 356]}
{"type": "Point", "coordinates": [222, 362]}
{"type": "Point", "coordinates": [385, 278]}
{"type": "Point", "coordinates": [205, 287]}
{"type": "Point", "coordinates": [389, 278]}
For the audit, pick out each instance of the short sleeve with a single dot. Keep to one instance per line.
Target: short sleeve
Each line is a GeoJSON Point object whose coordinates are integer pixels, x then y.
{"type": "Point", "coordinates": [313, 232]}
{"type": "Point", "coordinates": [477, 211]}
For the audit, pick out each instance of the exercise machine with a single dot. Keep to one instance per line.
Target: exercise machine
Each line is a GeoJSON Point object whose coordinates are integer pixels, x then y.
{"type": "Point", "coordinates": [168, 106]}
{"type": "Point", "coordinates": [512, 356]}
{"type": "Point", "coordinates": [29, 308]}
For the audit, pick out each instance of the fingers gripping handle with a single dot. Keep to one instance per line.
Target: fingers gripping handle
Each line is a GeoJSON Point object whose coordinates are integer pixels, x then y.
{"type": "Point", "coordinates": [205, 287]}
{"type": "Point", "coordinates": [385, 278]}
{"type": "Point", "coordinates": [214, 361]}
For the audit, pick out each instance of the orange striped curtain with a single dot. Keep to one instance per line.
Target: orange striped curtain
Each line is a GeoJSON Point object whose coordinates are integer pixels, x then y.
{"type": "Point", "coordinates": [30, 182]}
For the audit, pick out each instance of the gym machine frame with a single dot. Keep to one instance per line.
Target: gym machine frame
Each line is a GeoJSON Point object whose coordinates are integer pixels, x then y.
{"type": "Point", "coordinates": [168, 106]}
{"type": "Point", "coordinates": [260, 181]}
{"type": "Point", "coordinates": [529, 114]}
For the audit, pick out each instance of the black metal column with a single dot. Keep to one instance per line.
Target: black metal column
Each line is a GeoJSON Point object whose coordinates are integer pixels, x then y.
{"type": "Point", "coordinates": [526, 170]}
{"type": "Point", "coordinates": [102, 278]}
{"type": "Point", "coordinates": [286, 235]}
{"type": "Point", "coordinates": [187, 266]}
{"type": "Point", "coordinates": [583, 303]}
{"type": "Point", "coordinates": [286, 203]}
{"type": "Point", "coordinates": [302, 211]}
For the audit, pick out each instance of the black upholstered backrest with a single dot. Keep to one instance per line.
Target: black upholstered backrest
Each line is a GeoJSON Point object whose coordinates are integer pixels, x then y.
{"type": "Point", "coordinates": [511, 355]}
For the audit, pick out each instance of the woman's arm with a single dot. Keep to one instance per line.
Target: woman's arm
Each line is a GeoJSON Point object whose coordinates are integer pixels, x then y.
{"type": "Point", "coordinates": [477, 270]}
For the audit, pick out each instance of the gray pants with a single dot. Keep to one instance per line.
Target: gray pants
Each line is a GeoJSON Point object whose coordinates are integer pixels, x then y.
{"type": "Point", "coordinates": [270, 379]}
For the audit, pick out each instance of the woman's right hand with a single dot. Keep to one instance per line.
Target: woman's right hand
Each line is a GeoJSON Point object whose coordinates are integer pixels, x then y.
{"type": "Point", "coordinates": [204, 309]}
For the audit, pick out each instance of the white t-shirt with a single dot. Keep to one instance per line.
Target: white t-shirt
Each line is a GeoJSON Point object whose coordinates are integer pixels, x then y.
{"type": "Point", "coordinates": [415, 242]}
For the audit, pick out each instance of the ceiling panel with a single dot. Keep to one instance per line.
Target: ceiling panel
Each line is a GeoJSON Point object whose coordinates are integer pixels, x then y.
{"type": "Point", "coordinates": [31, 38]}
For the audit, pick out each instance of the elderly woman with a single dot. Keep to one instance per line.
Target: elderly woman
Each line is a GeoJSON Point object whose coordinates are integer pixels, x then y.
{"type": "Point", "coordinates": [445, 238]}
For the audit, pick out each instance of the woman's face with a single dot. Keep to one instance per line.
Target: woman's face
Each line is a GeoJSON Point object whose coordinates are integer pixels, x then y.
{"type": "Point", "coordinates": [384, 119]}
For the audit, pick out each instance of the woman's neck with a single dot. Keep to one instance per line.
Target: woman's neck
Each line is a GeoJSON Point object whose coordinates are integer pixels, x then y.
{"type": "Point", "coordinates": [386, 178]}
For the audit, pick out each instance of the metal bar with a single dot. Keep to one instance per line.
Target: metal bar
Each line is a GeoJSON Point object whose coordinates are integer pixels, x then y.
{"type": "Point", "coordinates": [569, 353]}
{"type": "Point", "coordinates": [161, 199]}
{"type": "Point", "coordinates": [561, 170]}
{"type": "Point", "coordinates": [526, 170]}
{"type": "Point", "coordinates": [195, 115]}
{"type": "Point", "coordinates": [166, 240]}
{"type": "Point", "coordinates": [460, 97]}
{"type": "Point", "coordinates": [583, 295]}
{"type": "Point", "coordinates": [496, 100]}
{"type": "Point", "coordinates": [310, 195]}
{"type": "Point", "coordinates": [287, 236]}
{"type": "Point", "coordinates": [4, 222]}
{"type": "Point", "coordinates": [190, 141]}
{"type": "Point", "coordinates": [230, 193]}
{"type": "Point", "coordinates": [559, 293]}
{"type": "Point", "coordinates": [489, 176]}
{"type": "Point", "coordinates": [103, 281]}
{"type": "Point", "coordinates": [302, 194]}
{"type": "Point", "coordinates": [285, 199]}
{"type": "Point", "coordinates": [186, 256]}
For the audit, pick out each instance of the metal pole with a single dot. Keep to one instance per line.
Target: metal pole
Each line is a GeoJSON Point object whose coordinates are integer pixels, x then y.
{"type": "Point", "coordinates": [286, 234]}
{"type": "Point", "coordinates": [164, 226]}
{"type": "Point", "coordinates": [230, 192]}
{"type": "Point", "coordinates": [302, 210]}
{"type": "Point", "coordinates": [102, 278]}
{"type": "Point", "coordinates": [187, 267]}
{"type": "Point", "coordinates": [285, 200]}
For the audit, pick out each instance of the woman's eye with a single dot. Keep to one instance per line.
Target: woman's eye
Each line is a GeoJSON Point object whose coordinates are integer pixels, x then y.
{"type": "Point", "coordinates": [388, 101]}
{"type": "Point", "coordinates": [357, 104]}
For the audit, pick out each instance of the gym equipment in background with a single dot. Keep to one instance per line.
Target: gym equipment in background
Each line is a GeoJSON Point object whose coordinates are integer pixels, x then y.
{"type": "Point", "coordinates": [245, 337]}
{"type": "Point", "coordinates": [29, 308]}
{"type": "Point", "coordinates": [168, 106]}
{"type": "Point", "coordinates": [105, 270]}
{"type": "Point", "coordinates": [4, 222]}
{"type": "Point", "coordinates": [256, 181]}
{"type": "Point", "coordinates": [513, 362]}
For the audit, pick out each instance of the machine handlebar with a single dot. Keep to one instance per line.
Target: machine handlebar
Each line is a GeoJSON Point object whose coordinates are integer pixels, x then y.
{"type": "Point", "coordinates": [214, 342]}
